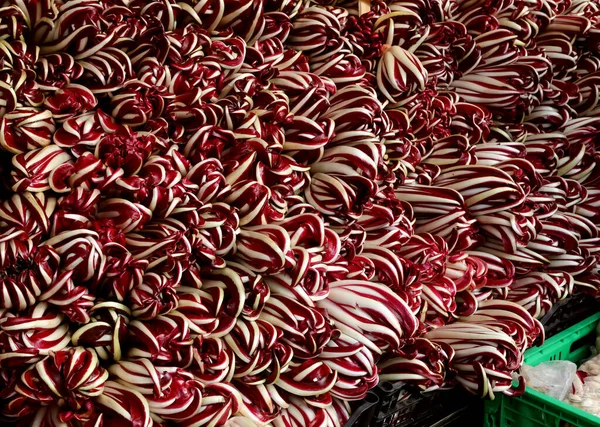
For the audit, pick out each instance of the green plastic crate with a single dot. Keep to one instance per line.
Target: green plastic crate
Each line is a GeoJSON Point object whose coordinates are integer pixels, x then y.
{"type": "Point", "coordinates": [535, 409]}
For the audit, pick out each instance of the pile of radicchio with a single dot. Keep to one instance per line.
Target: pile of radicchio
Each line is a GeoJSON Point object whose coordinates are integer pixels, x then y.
{"type": "Point", "coordinates": [249, 212]}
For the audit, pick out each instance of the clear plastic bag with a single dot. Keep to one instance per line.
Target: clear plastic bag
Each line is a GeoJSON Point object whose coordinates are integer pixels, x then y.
{"type": "Point", "coordinates": [591, 366]}
{"type": "Point", "coordinates": [554, 378]}
{"type": "Point", "coordinates": [598, 339]}
{"type": "Point", "coordinates": [588, 398]}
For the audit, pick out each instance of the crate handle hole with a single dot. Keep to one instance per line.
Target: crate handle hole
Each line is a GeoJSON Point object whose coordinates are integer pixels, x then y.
{"type": "Point", "coordinates": [386, 386]}
{"type": "Point", "coordinates": [585, 341]}
{"type": "Point", "coordinates": [371, 398]}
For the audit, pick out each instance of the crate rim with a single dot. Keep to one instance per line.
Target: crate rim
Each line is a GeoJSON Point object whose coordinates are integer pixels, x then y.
{"type": "Point", "coordinates": [534, 351]}
{"type": "Point", "coordinates": [562, 406]}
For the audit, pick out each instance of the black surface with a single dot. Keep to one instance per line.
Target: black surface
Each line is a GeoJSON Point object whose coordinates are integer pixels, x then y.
{"type": "Point", "coordinates": [567, 313]}
{"type": "Point", "coordinates": [448, 408]}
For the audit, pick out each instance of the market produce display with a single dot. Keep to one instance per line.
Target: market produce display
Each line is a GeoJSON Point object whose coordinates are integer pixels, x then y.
{"type": "Point", "coordinates": [249, 212]}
